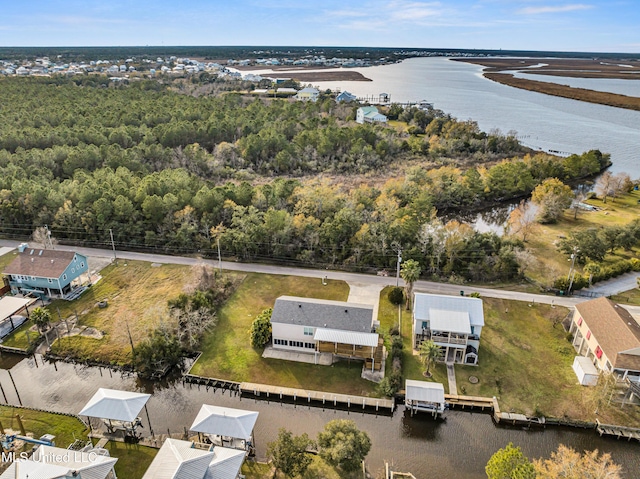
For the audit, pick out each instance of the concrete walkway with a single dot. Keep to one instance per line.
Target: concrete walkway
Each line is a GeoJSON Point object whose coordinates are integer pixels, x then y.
{"type": "Point", "coordinates": [451, 376]}
{"type": "Point", "coordinates": [325, 359]}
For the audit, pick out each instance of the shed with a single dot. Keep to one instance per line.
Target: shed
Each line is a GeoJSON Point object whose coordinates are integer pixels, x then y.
{"type": "Point", "coordinates": [585, 371]}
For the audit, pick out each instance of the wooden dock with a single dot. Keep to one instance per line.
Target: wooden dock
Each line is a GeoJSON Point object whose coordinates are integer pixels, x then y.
{"type": "Point", "coordinates": [211, 382]}
{"type": "Point", "coordinates": [308, 396]}
{"type": "Point", "coordinates": [618, 431]}
{"type": "Point", "coordinates": [470, 402]}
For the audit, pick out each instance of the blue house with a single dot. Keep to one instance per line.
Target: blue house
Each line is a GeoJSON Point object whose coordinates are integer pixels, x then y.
{"type": "Point", "coordinates": [346, 97]}
{"type": "Point", "coordinates": [45, 272]}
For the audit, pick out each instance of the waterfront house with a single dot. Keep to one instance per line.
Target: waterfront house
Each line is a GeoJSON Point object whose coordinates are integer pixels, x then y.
{"type": "Point", "coordinates": [46, 272]}
{"type": "Point", "coordinates": [424, 396]}
{"type": "Point", "coordinates": [308, 94]}
{"type": "Point", "coordinates": [321, 326]}
{"type": "Point", "coordinates": [48, 462]}
{"type": "Point", "coordinates": [346, 97]}
{"type": "Point", "coordinates": [609, 336]}
{"type": "Point", "coordinates": [369, 114]}
{"type": "Point", "coordinates": [454, 323]}
{"type": "Point", "coordinates": [178, 459]}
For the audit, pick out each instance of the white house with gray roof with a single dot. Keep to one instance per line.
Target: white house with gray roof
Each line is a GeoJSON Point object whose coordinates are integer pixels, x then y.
{"type": "Point", "coordinates": [369, 114]}
{"type": "Point", "coordinates": [323, 326]}
{"type": "Point", "coordinates": [454, 323]}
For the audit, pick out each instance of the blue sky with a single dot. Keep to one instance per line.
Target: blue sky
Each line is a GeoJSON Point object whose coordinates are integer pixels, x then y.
{"type": "Point", "coordinates": [580, 25]}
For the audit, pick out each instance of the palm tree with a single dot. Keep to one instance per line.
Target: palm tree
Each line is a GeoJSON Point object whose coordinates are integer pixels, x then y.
{"type": "Point", "coordinates": [41, 318]}
{"type": "Point", "coordinates": [410, 272]}
{"type": "Point", "coordinates": [592, 268]}
{"type": "Point", "coordinates": [429, 352]}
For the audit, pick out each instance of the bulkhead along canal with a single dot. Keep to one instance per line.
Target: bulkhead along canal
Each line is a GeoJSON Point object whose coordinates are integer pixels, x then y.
{"type": "Point", "coordinates": [457, 447]}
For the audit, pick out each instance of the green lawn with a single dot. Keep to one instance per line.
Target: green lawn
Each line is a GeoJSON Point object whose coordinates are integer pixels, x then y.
{"type": "Point", "coordinates": [136, 291]}
{"type": "Point", "coordinates": [318, 469]}
{"type": "Point", "coordinates": [133, 459]}
{"type": "Point", "coordinates": [227, 354]}
{"type": "Point", "coordinates": [412, 367]}
{"type": "Point", "coordinates": [629, 297]}
{"type": "Point", "coordinates": [65, 428]}
{"type": "Point", "coordinates": [21, 337]}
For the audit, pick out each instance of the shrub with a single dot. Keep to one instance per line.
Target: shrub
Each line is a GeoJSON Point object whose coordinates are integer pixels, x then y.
{"type": "Point", "coordinates": [396, 295]}
{"type": "Point", "coordinates": [260, 331]}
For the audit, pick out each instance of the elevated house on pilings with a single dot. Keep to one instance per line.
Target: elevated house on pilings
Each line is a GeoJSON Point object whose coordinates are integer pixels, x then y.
{"type": "Point", "coordinates": [316, 326]}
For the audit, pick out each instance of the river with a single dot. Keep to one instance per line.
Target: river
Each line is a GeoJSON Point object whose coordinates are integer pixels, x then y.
{"type": "Point", "coordinates": [541, 121]}
{"type": "Point", "coordinates": [458, 447]}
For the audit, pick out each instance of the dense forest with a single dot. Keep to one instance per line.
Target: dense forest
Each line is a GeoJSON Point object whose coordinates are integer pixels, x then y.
{"type": "Point", "coordinates": [273, 180]}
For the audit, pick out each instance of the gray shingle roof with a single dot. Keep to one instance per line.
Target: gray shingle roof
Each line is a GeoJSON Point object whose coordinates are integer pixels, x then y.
{"type": "Point", "coordinates": [322, 313]}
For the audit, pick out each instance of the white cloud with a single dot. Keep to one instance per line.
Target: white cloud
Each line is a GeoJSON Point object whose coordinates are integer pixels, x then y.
{"type": "Point", "coordinates": [554, 9]}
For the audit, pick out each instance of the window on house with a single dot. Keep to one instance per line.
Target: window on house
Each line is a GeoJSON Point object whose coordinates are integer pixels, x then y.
{"type": "Point", "coordinates": [588, 334]}
{"type": "Point", "coordinates": [608, 365]}
{"type": "Point", "coordinates": [64, 276]}
{"type": "Point", "coordinates": [73, 270]}
{"type": "Point", "coordinates": [82, 265]}
{"type": "Point", "coordinates": [308, 331]}
{"type": "Point", "coordinates": [579, 321]}
{"type": "Point", "coordinates": [33, 278]}
{"type": "Point", "coordinates": [598, 352]}
{"type": "Point", "coordinates": [49, 280]}
{"type": "Point", "coordinates": [310, 345]}
{"type": "Point", "coordinates": [296, 344]}
{"type": "Point", "coordinates": [281, 342]}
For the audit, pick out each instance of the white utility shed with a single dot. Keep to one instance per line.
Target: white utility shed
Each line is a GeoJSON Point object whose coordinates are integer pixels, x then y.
{"type": "Point", "coordinates": [586, 372]}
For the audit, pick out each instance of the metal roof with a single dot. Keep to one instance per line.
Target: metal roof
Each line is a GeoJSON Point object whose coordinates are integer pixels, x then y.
{"type": "Point", "coordinates": [346, 337]}
{"type": "Point", "coordinates": [225, 421]}
{"type": "Point", "coordinates": [322, 313]}
{"type": "Point", "coordinates": [114, 404]}
{"type": "Point", "coordinates": [28, 469]}
{"type": "Point", "coordinates": [424, 391]}
{"type": "Point", "coordinates": [89, 466]}
{"type": "Point", "coordinates": [178, 459]}
{"type": "Point", "coordinates": [10, 305]}
{"type": "Point", "coordinates": [451, 321]}
{"type": "Point", "coordinates": [423, 303]}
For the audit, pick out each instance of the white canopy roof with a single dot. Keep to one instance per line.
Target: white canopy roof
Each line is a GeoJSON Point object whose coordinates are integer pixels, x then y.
{"type": "Point", "coordinates": [50, 462]}
{"type": "Point", "coordinates": [346, 337]}
{"type": "Point", "coordinates": [116, 405]}
{"type": "Point", "coordinates": [180, 460]}
{"type": "Point", "coordinates": [224, 421]}
{"type": "Point", "coordinates": [10, 305]}
{"type": "Point", "coordinates": [451, 321]}
{"type": "Point", "coordinates": [424, 391]}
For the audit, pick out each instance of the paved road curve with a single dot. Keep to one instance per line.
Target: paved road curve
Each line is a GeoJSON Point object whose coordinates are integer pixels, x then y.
{"type": "Point", "coordinates": [421, 286]}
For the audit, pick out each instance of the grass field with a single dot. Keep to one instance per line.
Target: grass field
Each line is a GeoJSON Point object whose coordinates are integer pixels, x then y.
{"type": "Point", "coordinates": [412, 367]}
{"type": "Point", "coordinates": [133, 459]}
{"type": "Point", "coordinates": [543, 242]}
{"type": "Point", "coordinates": [317, 470]}
{"type": "Point", "coordinates": [21, 337]}
{"type": "Point", "coordinates": [629, 297]}
{"type": "Point", "coordinates": [65, 428]}
{"type": "Point", "coordinates": [227, 354]}
{"type": "Point", "coordinates": [136, 292]}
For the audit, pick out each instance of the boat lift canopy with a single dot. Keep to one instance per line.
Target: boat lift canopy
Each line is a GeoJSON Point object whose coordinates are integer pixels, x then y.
{"type": "Point", "coordinates": [224, 421]}
{"type": "Point", "coordinates": [115, 405]}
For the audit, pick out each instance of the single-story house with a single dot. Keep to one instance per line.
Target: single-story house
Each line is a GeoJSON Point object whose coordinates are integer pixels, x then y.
{"type": "Point", "coordinates": [308, 94]}
{"type": "Point", "coordinates": [609, 336]}
{"type": "Point", "coordinates": [346, 97]}
{"type": "Point", "coordinates": [48, 462]}
{"type": "Point", "coordinates": [424, 396]}
{"type": "Point", "coordinates": [322, 326]}
{"type": "Point", "coordinates": [369, 114]}
{"type": "Point", "coordinates": [178, 459]}
{"type": "Point", "coordinates": [46, 272]}
{"type": "Point", "coordinates": [454, 323]}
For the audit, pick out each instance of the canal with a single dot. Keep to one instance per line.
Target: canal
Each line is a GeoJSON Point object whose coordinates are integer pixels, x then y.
{"type": "Point", "coordinates": [458, 447]}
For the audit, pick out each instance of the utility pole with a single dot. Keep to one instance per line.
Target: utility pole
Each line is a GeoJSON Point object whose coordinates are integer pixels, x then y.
{"type": "Point", "coordinates": [572, 272]}
{"type": "Point", "coordinates": [113, 245]}
{"type": "Point", "coordinates": [398, 266]}
{"type": "Point", "coordinates": [219, 257]}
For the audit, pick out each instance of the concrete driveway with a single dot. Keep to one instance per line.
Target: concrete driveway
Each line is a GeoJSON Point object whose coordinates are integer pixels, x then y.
{"type": "Point", "coordinates": [365, 293]}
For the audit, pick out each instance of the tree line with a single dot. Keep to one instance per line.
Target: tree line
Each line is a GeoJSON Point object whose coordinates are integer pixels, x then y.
{"type": "Point", "coordinates": [154, 167]}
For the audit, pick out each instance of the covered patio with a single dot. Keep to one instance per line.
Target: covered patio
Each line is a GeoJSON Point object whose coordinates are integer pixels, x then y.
{"type": "Point", "coordinates": [118, 410]}
{"type": "Point", "coordinates": [225, 426]}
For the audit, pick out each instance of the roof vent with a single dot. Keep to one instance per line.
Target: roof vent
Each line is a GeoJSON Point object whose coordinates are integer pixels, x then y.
{"type": "Point", "coordinates": [31, 252]}
{"type": "Point", "coordinates": [40, 253]}
{"type": "Point", "coordinates": [52, 261]}
{"type": "Point", "coordinates": [346, 310]}
{"type": "Point", "coordinates": [32, 260]}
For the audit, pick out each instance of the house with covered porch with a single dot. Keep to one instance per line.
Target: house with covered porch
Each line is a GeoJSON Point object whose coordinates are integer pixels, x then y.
{"type": "Point", "coordinates": [46, 273]}
{"type": "Point", "coordinates": [345, 330]}
{"type": "Point", "coordinates": [609, 336]}
{"type": "Point", "coordinates": [454, 323]}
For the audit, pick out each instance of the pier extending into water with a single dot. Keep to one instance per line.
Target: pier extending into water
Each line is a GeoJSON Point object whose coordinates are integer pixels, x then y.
{"type": "Point", "coordinates": [618, 431]}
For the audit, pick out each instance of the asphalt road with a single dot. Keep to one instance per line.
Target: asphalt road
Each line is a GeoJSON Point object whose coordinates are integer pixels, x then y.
{"type": "Point", "coordinates": [420, 286]}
